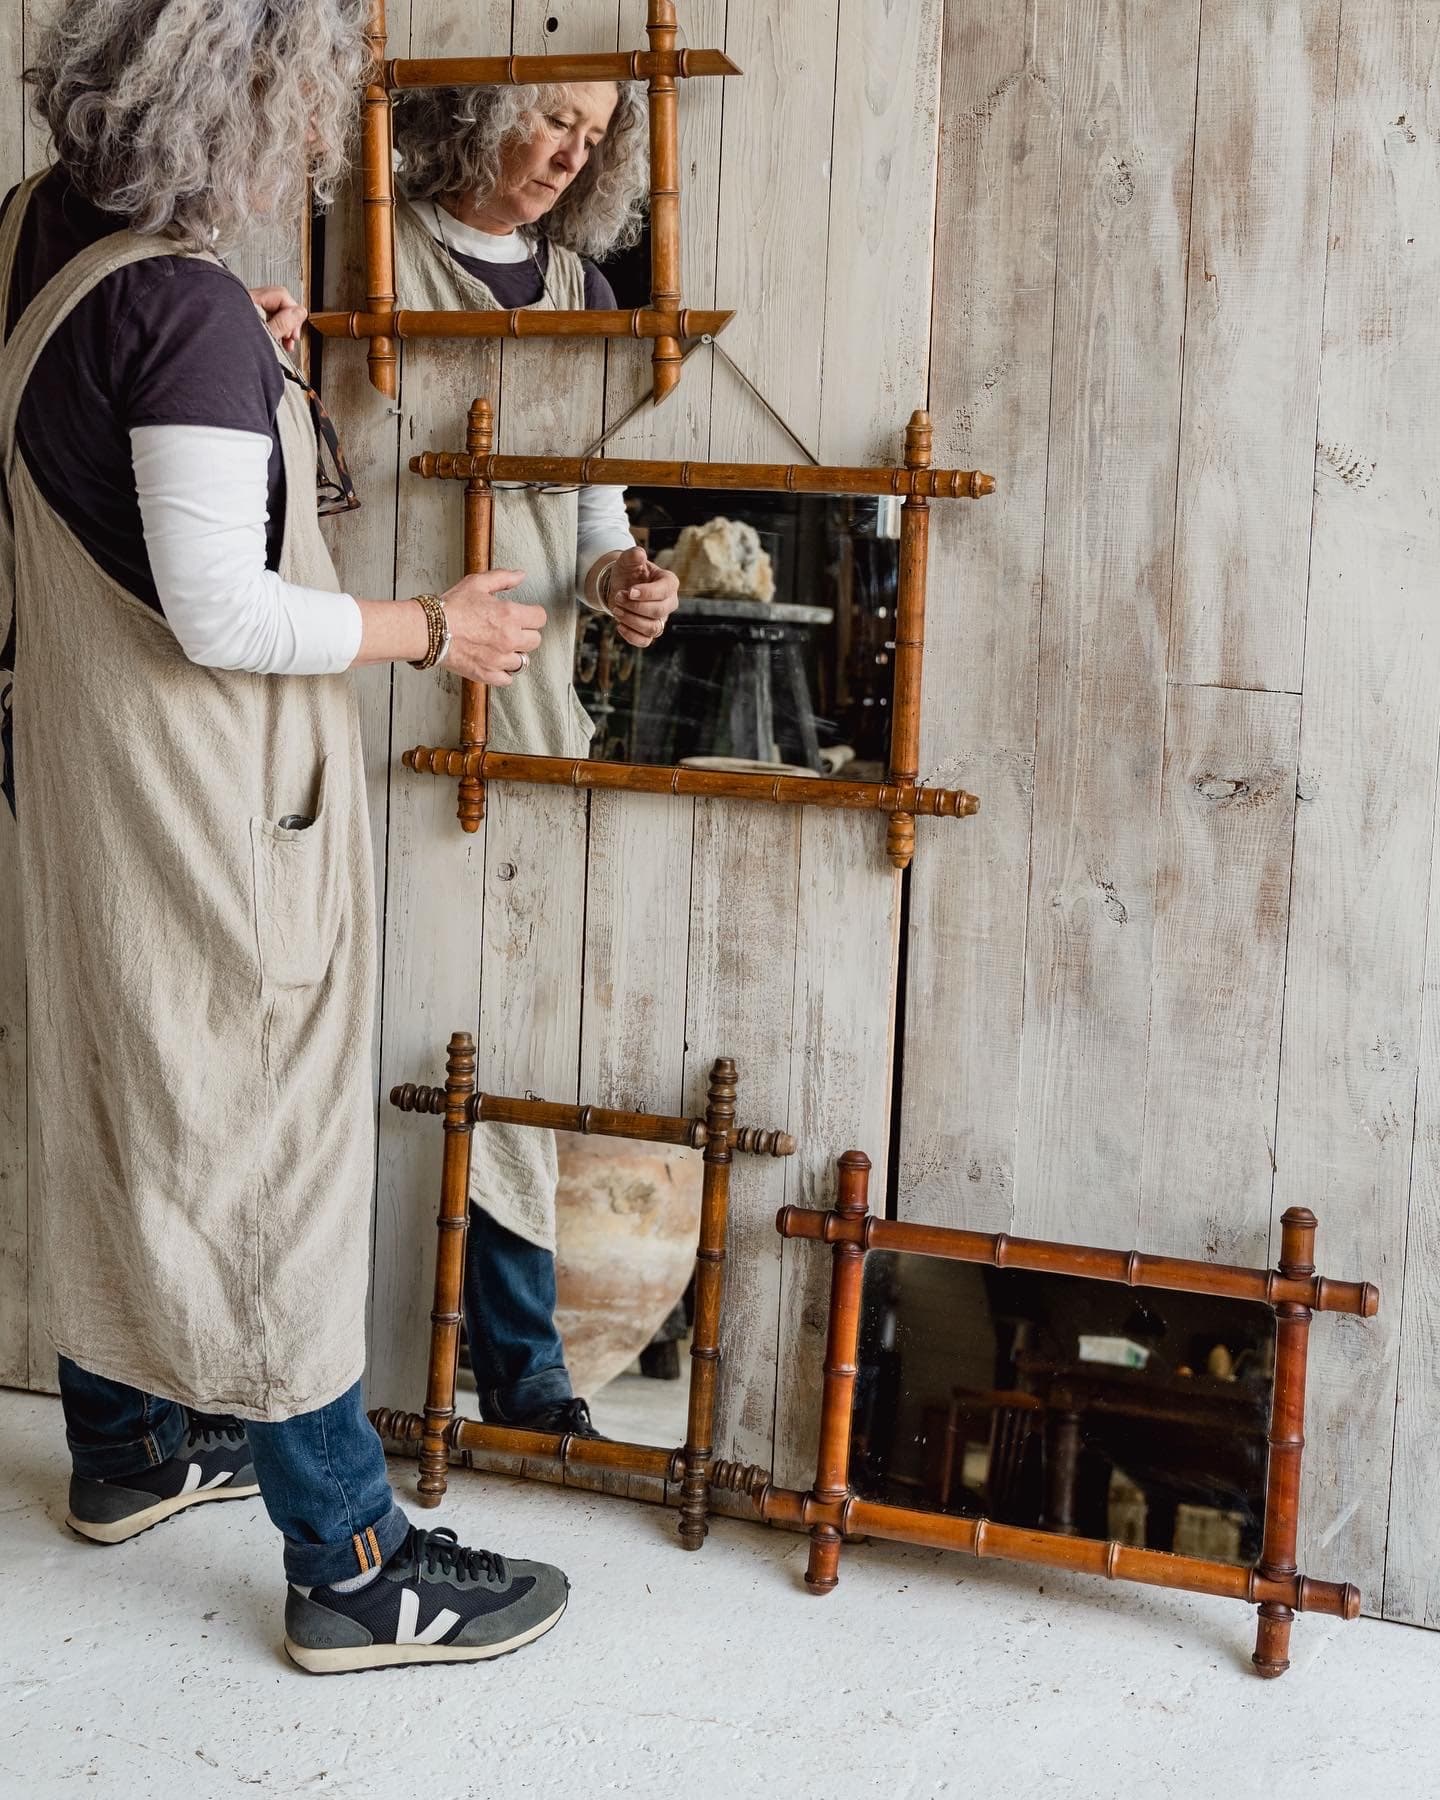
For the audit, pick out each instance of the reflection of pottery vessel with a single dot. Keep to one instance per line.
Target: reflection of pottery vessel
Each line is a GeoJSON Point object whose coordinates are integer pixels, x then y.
{"type": "Point", "coordinates": [627, 1217]}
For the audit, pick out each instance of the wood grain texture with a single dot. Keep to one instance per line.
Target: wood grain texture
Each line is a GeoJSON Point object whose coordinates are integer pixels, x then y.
{"type": "Point", "coordinates": [1412, 1552]}
{"type": "Point", "coordinates": [1365, 827]}
{"type": "Point", "coordinates": [1129, 90]}
{"type": "Point", "coordinates": [773, 224]}
{"type": "Point", "coordinates": [847, 942]}
{"type": "Point", "coordinates": [742, 940]}
{"type": "Point", "coordinates": [434, 894]}
{"type": "Point", "coordinates": [1222, 898]}
{"type": "Point", "coordinates": [991, 339]}
{"type": "Point", "coordinates": [772, 254]}
{"type": "Point", "coordinates": [1263, 138]}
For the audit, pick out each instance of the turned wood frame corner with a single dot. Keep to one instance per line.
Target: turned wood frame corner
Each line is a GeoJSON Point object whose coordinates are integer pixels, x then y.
{"type": "Point", "coordinates": [439, 1431]}
{"type": "Point", "coordinates": [902, 796]}
{"type": "Point", "coordinates": [665, 321]}
{"type": "Point", "coordinates": [831, 1511]}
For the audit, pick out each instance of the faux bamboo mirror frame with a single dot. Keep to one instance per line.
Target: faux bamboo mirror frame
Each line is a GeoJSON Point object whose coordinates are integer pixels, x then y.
{"type": "Point", "coordinates": [666, 321]}
{"type": "Point", "coordinates": [901, 796]}
{"type": "Point", "coordinates": [833, 1510]}
{"type": "Point", "coordinates": [439, 1432]}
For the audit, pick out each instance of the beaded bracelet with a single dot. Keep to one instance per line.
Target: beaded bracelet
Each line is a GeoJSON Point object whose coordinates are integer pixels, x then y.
{"type": "Point", "coordinates": [439, 631]}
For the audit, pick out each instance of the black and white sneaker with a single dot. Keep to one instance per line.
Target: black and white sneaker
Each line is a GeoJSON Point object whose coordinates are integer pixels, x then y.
{"type": "Point", "coordinates": [433, 1601]}
{"type": "Point", "coordinates": [213, 1463]}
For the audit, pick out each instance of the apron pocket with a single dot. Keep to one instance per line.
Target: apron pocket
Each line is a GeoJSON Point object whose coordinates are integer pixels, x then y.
{"type": "Point", "coordinates": [297, 891]}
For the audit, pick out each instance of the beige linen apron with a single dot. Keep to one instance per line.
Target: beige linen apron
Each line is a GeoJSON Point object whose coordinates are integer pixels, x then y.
{"type": "Point", "coordinates": [513, 1172]}
{"type": "Point", "coordinates": [201, 977]}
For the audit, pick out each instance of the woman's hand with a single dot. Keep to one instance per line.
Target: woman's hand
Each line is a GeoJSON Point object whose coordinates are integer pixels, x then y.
{"type": "Point", "coordinates": [491, 639]}
{"type": "Point", "coordinates": [641, 596]}
{"type": "Point", "coordinates": [284, 315]}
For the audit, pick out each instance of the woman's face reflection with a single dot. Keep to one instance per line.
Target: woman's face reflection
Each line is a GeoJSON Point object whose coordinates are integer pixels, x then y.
{"type": "Point", "coordinates": [535, 170]}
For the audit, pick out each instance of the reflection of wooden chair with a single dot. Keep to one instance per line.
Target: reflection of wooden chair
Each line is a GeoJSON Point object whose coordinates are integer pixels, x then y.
{"type": "Point", "coordinates": [1014, 1417]}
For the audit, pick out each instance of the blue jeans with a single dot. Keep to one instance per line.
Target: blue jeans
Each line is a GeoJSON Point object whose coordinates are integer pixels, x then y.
{"type": "Point", "coordinates": [515, 1350]}
{"type": "Point", "coordinates": [322, 1474]}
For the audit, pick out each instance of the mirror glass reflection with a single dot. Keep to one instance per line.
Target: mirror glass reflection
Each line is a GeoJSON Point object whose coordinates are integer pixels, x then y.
{"type": "Point", "coordinates": [520, 196]}
{"type": "Point", "coordinates": [579, 1283]}
{"type": "Point", "coordinates": [1055, 1402]}
{"type": "Point", "coordinates": [779, 655]}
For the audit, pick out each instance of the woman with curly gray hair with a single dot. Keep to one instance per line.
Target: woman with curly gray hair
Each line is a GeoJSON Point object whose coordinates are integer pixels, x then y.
{"type": "Point", "coordinates": [508, 194]}
{"type": "Point", "coordinates": [199, 917]}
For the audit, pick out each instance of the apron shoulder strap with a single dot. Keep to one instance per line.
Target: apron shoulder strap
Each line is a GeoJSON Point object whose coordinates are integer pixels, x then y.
{"type": "Point", "coordinates": [18, 356]}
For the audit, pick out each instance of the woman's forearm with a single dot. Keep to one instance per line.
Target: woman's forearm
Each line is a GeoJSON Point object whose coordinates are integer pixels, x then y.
{"type": "Point", "coordinates": [391, 631]}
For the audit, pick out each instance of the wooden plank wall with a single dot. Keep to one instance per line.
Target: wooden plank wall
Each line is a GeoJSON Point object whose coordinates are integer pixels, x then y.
{"type": "Point", "coordinates": [1171, 273]}
{"type": "Point", "coordinates": [1179, 981]}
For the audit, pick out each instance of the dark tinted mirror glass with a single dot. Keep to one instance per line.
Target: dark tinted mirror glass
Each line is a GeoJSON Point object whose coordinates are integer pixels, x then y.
{"type": "Point", "coordinates": [1055, 1402]}
{"type": "Point", "coordinates": [780, 656]}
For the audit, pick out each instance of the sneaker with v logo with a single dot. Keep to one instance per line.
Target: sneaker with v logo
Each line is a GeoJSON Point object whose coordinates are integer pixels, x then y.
{"type": "Point", "coordinates": [213, 1463]}
{"type": "Point", "coordinates": [433, 1601]}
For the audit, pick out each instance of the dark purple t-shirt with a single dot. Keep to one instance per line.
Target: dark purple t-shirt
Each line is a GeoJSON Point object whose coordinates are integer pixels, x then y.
{"type": "Point", "coordinates": [168, 341]}
{"type": "Point", "coordinates": [522, 284]}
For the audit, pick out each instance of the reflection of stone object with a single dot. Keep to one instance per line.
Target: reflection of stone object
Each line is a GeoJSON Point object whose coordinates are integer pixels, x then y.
{"type": "Point", "coordinates": [721, 559]}
{"type": "Point", "coordinates": [627, 1216]}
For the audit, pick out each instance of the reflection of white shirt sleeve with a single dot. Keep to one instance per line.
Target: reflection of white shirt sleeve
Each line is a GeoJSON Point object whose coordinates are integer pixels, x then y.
{"type": "Point", "coordinates": [203, 497]}
{"type": "Point", "coordinates": [603, 525]}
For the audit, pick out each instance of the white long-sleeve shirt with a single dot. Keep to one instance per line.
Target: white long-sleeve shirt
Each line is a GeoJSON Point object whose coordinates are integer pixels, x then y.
{"type": "Point", "coordinates": [203, 506]}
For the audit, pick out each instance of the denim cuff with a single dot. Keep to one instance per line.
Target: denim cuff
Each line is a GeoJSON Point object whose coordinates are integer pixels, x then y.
{"type": "Point", "coordinates": [502, 1406]}
{"type": "Point", "coordinates": [316, 1565]}
{"type": "Point", "coordinates": [112, 1462]}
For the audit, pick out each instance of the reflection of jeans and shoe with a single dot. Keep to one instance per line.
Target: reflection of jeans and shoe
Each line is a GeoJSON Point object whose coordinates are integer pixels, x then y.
{"type": "Point", "coordinates": [516, 1354]}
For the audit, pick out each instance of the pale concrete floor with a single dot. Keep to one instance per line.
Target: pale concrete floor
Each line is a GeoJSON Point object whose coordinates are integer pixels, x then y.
{"type": "Point", "coordinates": [154, 1669]}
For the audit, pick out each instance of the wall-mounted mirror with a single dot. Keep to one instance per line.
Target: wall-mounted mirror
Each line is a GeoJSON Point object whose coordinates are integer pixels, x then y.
{"type": "Point", "coordinates": [791, 672]}
{"type": "Point", "coordinates": [593, 1332]}
{"type": "Point", "coordinates": [1139, 1417]}
{"type": "Point", "coordinates": [490, 186]}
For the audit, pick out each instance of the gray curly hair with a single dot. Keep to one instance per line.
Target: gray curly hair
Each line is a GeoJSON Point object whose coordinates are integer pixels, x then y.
{"type": "Point", "coordinates": [450, 141]}
{"type": "Point", "coordinates": [188, 117]}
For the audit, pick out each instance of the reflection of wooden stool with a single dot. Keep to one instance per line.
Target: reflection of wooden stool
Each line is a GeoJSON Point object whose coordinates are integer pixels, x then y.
{"type": "Point", "coordinates": [1013, 1417]}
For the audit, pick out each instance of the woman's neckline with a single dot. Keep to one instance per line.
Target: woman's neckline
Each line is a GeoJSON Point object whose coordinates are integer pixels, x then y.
{"type": "Point", "coordinates": [484, 246]}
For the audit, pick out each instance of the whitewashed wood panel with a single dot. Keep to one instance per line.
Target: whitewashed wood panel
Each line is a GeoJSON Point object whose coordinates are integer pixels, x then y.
{"type": "Point", "coordinates": [1129, 91]}
{"type": "Point", "coordinates": [773, 230]}
{"type": "Point", "coordinates": [774, 203]}
{"type": "Point", "coordinates": [1412, 1550]}
{"type": "Point", "coordinates": [1227, 824]}
{"type": "Point", "coordinates": [434, 890]}
{"type": "Point", "coordinates": [742, 955]}
{"type": "Point", "coordinates": [1264, 126]}
{"type": "Point", "coordinates": [1364, 831]}
{"type": "Point", "coordinates": [874, 372]}
{"type": "Point", "coordinates": [996, 226]}
{"type": "Point", "coordinates": [742, 940]}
